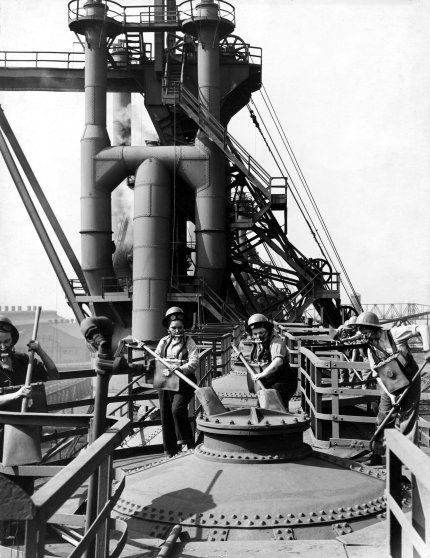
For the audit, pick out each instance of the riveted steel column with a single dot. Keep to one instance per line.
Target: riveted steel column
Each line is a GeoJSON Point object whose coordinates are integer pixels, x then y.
{"type": "Point", "coordinates": [121, 207]}
{"type": "Point", "coordinates": [208, 56]}
{"type": "Point", "coordinates": [210, 196]}
{"type": "Point", "coordinates": [96, 230]}
{"type": "Point", "coordinates": [151, 242]}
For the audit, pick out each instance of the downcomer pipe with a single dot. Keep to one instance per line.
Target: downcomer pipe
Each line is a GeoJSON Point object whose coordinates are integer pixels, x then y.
{"type": "Point", "coordinates": [210, 197]}
{"type": "Point", "coordinates": [96, 228]}
{"type": "Point", "coordinates": [151, 242]}
{"type": "Point", "coordinates": [202, 168]}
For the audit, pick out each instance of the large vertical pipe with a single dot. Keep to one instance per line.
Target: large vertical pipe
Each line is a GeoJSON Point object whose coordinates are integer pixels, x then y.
{"type": "Point", "coordinates": [208, 56]}
{"type": "Point", "coordinates": [151, 231]}
{"type": "Point", "coordinates": [121, 197]}
{"type": "Point", "coordinates": [96, 233]}
{"type": "Point", "coordinates": [210, 197]}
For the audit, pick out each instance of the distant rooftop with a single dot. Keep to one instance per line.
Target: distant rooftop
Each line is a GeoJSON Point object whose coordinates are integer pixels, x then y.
{"type": "Point", "coordinates": [24, 313]}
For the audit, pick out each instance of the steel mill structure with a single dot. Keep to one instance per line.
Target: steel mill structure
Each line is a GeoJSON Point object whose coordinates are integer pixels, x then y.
{"type": "Point", "coordinates": [195, 74]}
{"type": "Point", "coordinates": [208, 233]}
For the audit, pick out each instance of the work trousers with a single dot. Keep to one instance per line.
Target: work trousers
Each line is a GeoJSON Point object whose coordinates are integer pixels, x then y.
{"type": "Point", "coordinates": [175, 423]}
{"type": "Point", "coordinates": [407, 414]}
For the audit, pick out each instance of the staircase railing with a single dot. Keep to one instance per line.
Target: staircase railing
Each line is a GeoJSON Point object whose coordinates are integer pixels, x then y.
{"type": "Point", "coordinates": [199, 286]}
{"type": "Point", "coordinates": [211, 126]}
{"type": "Point", "coordinates": [220, 304]}
{"type": "Point", "coordinates": [43, 507]}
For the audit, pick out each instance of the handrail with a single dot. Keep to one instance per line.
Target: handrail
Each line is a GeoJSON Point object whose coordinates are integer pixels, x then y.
{"type": "Point", "coordinates": [68, 60]}
{"type": "Point", "coordinates": [76, 10]}
{"type": "Point", "coordinates": [47, 500]}
{"type": "Point", "coordinates": [58, 489]}
{"type": "Point", "coordinates": [201, 287]}
{"type": "Point", "coordinates": [321, 390]}
{"type": "Point", "coordinates": [210, 125]}
{"type": "Point", "coordinates": [127, 15]}
{"type": "Point", "coordinates": [225, 10]}
{"type": "Point", "coordinates": [407, 536]}
{"type": "Point", "coordinates": [42, 59]}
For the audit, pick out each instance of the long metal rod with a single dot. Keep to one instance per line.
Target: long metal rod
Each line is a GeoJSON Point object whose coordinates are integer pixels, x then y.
{"type": "Point", "coordinates": [25, 165]}
{"type": "Point", "coordinates": [168, 365]}
{"type": "Point", "coordinates": [396, 404]}
{"type": "Point", "coordinates": [29, 373]}
{"type": "Point", "coordinates": [248, 367]}
{"type": "Point", "coordinates": [40, 229]}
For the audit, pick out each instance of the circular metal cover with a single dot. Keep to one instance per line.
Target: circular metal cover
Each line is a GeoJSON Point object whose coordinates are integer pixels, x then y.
{"type": "Point", "coordinates": [192, 491]}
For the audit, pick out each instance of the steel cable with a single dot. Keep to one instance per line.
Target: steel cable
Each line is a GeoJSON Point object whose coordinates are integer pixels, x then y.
{"type": "Point", "coordinates": [284, 139]}
{"type": "Point", "coordinates": [298, 169]}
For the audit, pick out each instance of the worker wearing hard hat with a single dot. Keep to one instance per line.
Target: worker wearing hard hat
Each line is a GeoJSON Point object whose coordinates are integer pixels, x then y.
{"type": "Point", "coordinates": [344, 331]}
{"type": "Point", "coordinates": [13, 365]}
{"type": "Point", "coordinates": [181, 350]}
{"type": "Point", "coordinates": [391, 360]}
{"type": "Point", "coordinates": [270, 353]}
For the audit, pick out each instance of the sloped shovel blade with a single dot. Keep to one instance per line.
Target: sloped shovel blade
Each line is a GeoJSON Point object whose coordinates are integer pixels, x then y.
{"type": "Point", "coordinates": [21, 445]}
{"type": "Point", "coordinates": [210, 401]}
{"type": "Point", "coordinates": [270, 399]}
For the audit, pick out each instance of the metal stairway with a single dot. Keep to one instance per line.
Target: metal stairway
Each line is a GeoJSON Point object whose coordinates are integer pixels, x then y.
{"type": "Point", "coordinates": [254, 172]}
{"type": "Point", "coordinates": [135, 46]}
{"type": "Point", "coordinates": [171, 83]}
{"type": "Point", "coordinates": [196, 290]}
{"type": "Point", "coordinates": [265, 284]}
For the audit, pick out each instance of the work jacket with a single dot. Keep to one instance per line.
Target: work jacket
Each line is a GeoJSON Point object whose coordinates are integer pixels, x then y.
{"type": "Point", "coordinates": [181, 348]}
{"type": "Point", "coordinates": [396, 340]}
{"type": "Point", "coordinates": [264, 353]}
{"type": "Point", "coordinates": [16, 376]}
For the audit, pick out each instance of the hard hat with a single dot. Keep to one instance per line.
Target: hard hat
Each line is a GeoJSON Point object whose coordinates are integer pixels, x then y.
{"type": "Point", "coordinates": [173, 313]}
{"type": "Point", "coordinates": [7, 326]}
{"type": "Point", "coordinates": [259, 319]}
{"type": "Point", "coordinates": [350, 323]}
{"type": "Point", "coordinates": [368, 319]}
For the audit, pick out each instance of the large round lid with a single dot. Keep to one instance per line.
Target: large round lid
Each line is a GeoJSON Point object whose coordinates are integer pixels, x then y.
{"type": "Point", "coordinates": [308, 496]}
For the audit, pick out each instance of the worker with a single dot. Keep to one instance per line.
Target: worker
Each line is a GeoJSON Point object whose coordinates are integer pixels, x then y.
{"type": "Point", "coordinates": [270, 354]}
{"type": "Point", "coordinates": [343, 334]}
{"type": "Point", "coordinates": [347, 334]}
{"type": "Point", "coordinates": [181, 348]}
{"type": "Point", "coordinates": [13, 371]}
{"type": "Point", "coordinates": [382, 344]}
{"type": "Point", "coordinates": [13, 365]}
{"type": "Point", "coordinates": [344, 331]}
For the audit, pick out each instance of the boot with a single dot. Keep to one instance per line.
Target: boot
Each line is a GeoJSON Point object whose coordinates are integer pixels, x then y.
{"type": "Point", "coordinates": [374, 460]}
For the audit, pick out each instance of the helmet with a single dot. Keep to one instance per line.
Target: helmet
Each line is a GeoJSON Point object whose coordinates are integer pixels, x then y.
{"type": "Point", "coordinates": [259, 319]}
{"type": "Point", "coordinates": [172, 313]}
{"type": "Point", "coordinates": [7, 326]}
{"type": "Point", "coordinates": [350, 323]}
{"type": "Point", "coordinates": [368, 319]}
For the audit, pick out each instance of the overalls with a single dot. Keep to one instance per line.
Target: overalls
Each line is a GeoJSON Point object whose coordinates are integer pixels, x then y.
{"type": "Point", "coordinates": [284, 379]}
{"type": "Point", "coordinates": [175, 423]}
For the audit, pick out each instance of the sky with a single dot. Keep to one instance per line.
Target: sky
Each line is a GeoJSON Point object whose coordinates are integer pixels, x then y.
{"type": "Point", "coordinates": [350, 81]}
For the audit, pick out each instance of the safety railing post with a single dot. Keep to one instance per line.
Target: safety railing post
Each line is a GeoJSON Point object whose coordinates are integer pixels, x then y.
{"type": "Point", "coordinates": [335, 409]}
{"type": "Point", "coordinates": [130, 404]}
{"type": "Point", "coordinates": [317, 382]}
{"type": "Point", "coordinates": [34, 546]}
{"type": "Point", "coordinates": [104, 493]}
{"type": "Point", "coordinates": [394, 472]}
